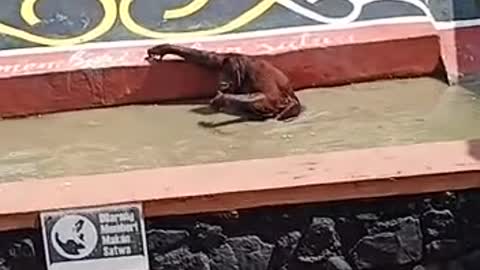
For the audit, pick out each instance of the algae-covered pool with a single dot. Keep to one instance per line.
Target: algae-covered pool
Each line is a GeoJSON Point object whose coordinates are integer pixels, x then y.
{"type": "Point", "coordinates": [140, 137]}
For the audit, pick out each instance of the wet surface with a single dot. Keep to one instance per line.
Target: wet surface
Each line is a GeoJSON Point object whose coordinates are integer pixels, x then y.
{"type": "Point", "coordinates": [142, 137]}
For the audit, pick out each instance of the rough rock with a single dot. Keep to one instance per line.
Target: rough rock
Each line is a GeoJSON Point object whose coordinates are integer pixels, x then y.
{"type": "Point", "coordinates": [443, 265]}
{"type": "Point", "coordinates": [3, 265]}
{"type": "Point", "coordinates": [455, 265]}
{"type": "Point", "coordinates": [283, 250]}
{"type": "Point", "coordinates": [445, 200]}
{"type": "Point", "coordinates": [319, 243]}
{"type": "Point", "coordinates": [351, 229]}
{"type": "Point", "coordinates": [450, 265]}
{"type": "Point", "coordinates": [367, 217]}
{"type": "Point", "coordinates": [443, 249]}
{"type": "Point", "coordinates": [336, 263]}
{"type": "Point", "coordinates": [469, 218]}
{"type": "Point", "coordinates": [251, 252]}
{"type": "Point", "coordinates": [180, 259]}
{"type": "Point", "coordinates": [23, 248]}
{"type": "Point", "coordinates": [206, 237]}
{"type": "Point", "coordinates": [21, 254]}
{"type": "Point", "coordinates": [399, 247]}
{"type": "Point", "coordinates": [160, 241]}
{"type": "Point", "coordinates": [438, 224]}
{"type": "Point", "coordinates": [471, 261]}
{"type": "Point", "coordinates": [379, 250]}
{"type": "Point", "coordinates": [223, 258]}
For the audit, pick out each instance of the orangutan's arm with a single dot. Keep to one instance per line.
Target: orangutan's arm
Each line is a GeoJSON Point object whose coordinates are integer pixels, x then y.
{"type": "Point", "coordinates": [204, 58]}
{"type": "Point", "coordinates": [279, 94]}
{"type": "Point", "coordinates": [247, 104]}
{"type": "Point", "coordinates": [292, 110]}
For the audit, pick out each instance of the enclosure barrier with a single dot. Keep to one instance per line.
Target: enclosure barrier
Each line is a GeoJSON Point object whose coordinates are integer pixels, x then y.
{"type": "Point", "coordinates": [356, 174]}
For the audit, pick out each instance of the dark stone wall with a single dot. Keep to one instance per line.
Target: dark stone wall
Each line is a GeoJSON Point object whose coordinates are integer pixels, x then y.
{"type": "Point", "coordinates": [434, 232]}
{"type": "Point", "coordinates": [21, 250]}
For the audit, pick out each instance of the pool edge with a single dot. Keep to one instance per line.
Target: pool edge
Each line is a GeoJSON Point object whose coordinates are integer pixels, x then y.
{"type": "Point", "coordinates": [345, 175]}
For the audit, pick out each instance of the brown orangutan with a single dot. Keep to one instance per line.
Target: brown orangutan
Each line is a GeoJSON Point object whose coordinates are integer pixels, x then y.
{"type": "Point", "coordinates": [249, 87]}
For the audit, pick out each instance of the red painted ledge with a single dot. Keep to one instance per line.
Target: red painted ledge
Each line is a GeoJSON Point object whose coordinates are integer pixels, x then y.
{"type": "Point", "coordinates": [367, 173]}
{"type": "Point", "coordinates": [461, 50]}
{"type": "Point", "coordinates": [413, 55]}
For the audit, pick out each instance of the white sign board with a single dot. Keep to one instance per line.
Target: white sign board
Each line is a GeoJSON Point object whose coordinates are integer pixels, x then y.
{"type": "Point", "coordinates": [95, 239]}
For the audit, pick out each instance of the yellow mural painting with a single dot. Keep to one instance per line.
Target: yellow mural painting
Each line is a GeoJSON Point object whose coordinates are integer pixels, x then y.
{"type": "Point", "coordinates": [112, 12]}
{"type": "Point", "coordinates": [186, 10]}
{"type": "Point", "coordinates": [248, 16]}
{"type": "Point", "coordinates": [27, 12]}
{"type": "Point", "coordinates": [121, 10]}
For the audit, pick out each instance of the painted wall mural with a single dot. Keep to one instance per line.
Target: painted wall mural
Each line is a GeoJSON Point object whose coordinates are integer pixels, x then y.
{"type": "Point", "coordinates": [32, 23]}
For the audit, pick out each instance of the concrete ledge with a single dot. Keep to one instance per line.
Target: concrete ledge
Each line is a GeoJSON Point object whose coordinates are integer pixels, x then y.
{"type": "Point", "coordinates": [367, 173]}
{"type": "Point", "coordinates": [461, 53]}
{"type": "Point", "coordinates": [69, 88]}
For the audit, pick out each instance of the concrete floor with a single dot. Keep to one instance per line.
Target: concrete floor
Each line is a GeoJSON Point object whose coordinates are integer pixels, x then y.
{"type": "Point", "coordinates": [140, 137]}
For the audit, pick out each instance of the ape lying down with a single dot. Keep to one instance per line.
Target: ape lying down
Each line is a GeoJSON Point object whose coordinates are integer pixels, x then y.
{"type": "Point", "coordinates": [251, 88]}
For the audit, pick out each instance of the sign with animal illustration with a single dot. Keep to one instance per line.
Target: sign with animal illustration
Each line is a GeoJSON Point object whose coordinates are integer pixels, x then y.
{"type": "Point", "coordinates": [95, 239]}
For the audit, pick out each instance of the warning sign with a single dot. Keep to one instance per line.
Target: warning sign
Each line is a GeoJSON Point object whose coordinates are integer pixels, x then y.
{"type": "Point", "coordinates": [95, 238]}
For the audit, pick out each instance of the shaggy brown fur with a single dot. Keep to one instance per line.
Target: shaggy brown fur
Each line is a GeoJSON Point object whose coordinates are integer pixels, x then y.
{"type": "Point", "coordinates": [249, 87]}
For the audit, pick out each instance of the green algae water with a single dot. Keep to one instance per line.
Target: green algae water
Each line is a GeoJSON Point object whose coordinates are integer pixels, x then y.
{"type": "Point", "coordinates": [119, 139]}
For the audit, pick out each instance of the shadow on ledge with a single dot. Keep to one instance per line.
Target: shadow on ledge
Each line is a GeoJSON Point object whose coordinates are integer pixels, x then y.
{"type": "Point", "coordinates": [474, 148]}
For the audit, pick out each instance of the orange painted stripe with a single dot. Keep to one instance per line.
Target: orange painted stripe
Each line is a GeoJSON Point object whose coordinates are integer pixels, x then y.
{"type": "Point", "coordinates": [48, 62]}
{"type": "Point", "coordinates": [377, 172]}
